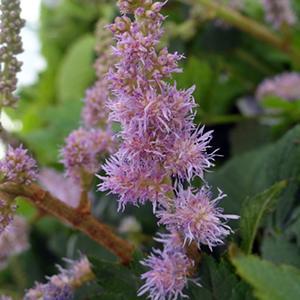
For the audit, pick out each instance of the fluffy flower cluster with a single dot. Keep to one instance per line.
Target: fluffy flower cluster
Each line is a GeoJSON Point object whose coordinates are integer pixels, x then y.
{"type": "Point", "coordinates": [80, 155]}
{"type": "Point", "coordinates": [159, 137]}
{"type": "Point", "coordinates": [279, 12]}
{"type": "Point", "coordinates": [18, 166]}
{"type": "Point", "coordinates": [10, 46]}
{"type": "Point", "coordinates": [198, 217]}
{"type": "Point", "coordinates": [285, 86]}
{"type": "Point", "coordinates": [63, 188]}
{"type": "Point", "coordinates": [13, 240]}
{"type": "Point", "coordinates": [167, 276]}
{"type": "Point", "coordinates": [62, 286]}
{"type": "Point", "coordinates": [159, 142]}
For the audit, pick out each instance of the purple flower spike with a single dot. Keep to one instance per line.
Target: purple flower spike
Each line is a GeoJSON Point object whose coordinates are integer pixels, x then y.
{"type": "Point", "coordinates": [18, 166]}
{"type": "Point", "coordinates": [80, 155]}
{"type": "Point", "coordinates": [134, 184]}
{"type": "Point", "coordinates": [167, 276]}
{"type": "Point", "coordinates": [198, 217]}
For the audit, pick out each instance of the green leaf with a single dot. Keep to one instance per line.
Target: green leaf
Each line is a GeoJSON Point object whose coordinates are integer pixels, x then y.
{"type": "Point", "coordinates": [76, 72]}
{"type": "Point", "coordinates": [270, 282]}
{"type": "Point", "coordinates": [253, 210]}
{"type": "Point", "coordinates": [219, 281]}
{"type": "Point", "coordinates": [276, 103]}
{"type": "Point", "coordinates": [278, 249]}
{"type": "Point", "coordinates": [251, 173]}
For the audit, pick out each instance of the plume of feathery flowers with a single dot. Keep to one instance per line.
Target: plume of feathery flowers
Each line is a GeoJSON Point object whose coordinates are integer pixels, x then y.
{"type": "Point", "coordinates": [59, 186]}
{"type": "Point", "coordinates": [14, 240]}
{"type": "Point", "coordinates": [80, 155]}
{"type": "Point", "coordinates": [198, 217]}
{"type": "Point", "coordinates": [18, 166]}
{"type": "Point", "coordinates": [279, 12]}
{"type": "Point", "coordinates": [159, 141]}
{"type": "Point", "coordinates": [10, 46]}
{"type": "Point", "coordinates": [156, 118]}
{"type": "Point", "coordinates": [168, 275]}
{"type": "Point", "coordinates": [62, 286]}
{"type": "Point", "coordinates": [285, 86]}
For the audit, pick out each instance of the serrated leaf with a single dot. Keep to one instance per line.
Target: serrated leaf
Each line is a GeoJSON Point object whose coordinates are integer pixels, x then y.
{"type": "Point", "coordinates": [253, 172]}
{"type": "Point", "coordinates": [270, 282]}
{"type": "Point", "coordinates": [253, 211]}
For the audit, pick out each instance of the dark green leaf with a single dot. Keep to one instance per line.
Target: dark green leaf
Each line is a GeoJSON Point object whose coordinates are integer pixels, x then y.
{"type": "Point", "coordinates": [253, 210]}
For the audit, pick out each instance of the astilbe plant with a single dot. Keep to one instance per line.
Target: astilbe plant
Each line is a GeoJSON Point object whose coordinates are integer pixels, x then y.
{"type": "Point", "coordinates": [161, 149]}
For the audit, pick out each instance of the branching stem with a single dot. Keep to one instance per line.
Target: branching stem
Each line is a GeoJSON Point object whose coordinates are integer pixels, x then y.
{"type": "Point", "coordinates": [86, 223]}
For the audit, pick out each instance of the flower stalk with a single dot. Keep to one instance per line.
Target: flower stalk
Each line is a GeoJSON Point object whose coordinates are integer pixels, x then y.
{"type": "Point", "coordinates": [251, 27]}
{"type": "Point", "coordinates": [86, 223]}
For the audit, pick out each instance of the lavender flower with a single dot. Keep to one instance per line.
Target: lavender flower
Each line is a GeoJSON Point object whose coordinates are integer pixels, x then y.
{"type": "Point", "coordinates": [61, 187]}
{"type": "Point", "coordinates": [156, 118]}
{"type": "Point", "coordinates": [279, 12]}
{"type": "Point", "coordinates": [10, 46]}
{"type": "Point", "coordinates": [13, 240]}
{"type": "Point", "coordinates": [81, 153]}
{"type": "Point", "coordinates": [50, 291]}
{"type": "Point", "coordinates": [198, 217]}
{"type": "Point", "coordinates": [285, 85]}
{"type": "Point", "coordinates": [18, 166]}
{"type": "Point", "coordinates": [167, 276]}
{"type": "Point", "coordinates": [62, 286]}
{"type": "Point", "coordinates": [134, 184]}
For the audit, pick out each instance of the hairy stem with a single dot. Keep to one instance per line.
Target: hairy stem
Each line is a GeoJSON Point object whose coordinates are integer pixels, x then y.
{"type": "Point", "coordinates": [86, 223]}
{"type": "Point", "coordinates": [250, 26]}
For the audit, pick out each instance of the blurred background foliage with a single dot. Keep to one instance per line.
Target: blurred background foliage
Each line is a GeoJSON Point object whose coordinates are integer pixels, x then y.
{"type": "Point", "coordinates": [226, 65]}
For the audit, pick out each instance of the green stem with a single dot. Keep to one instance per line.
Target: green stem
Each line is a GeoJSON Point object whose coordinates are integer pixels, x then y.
{"type": "Point", "coordinates": [250, 26]}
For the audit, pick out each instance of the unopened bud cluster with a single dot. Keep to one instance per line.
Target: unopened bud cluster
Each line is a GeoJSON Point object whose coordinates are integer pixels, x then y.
{"type": "Point", "coordinates": [10, 45]}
